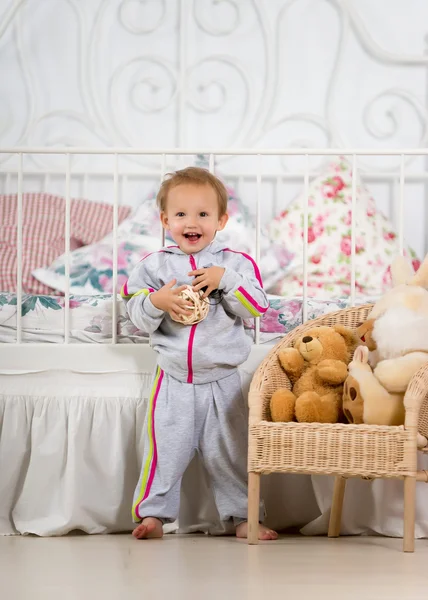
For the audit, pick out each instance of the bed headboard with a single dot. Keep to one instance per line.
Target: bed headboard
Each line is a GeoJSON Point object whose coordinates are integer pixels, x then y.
{"type": "Point", "coordinates": [255, 75]}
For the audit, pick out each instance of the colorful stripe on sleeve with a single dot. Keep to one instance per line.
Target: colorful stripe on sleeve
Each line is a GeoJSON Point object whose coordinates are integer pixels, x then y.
{"type": "Point", "coordinates": [250, 304]}
{"type": "Point", "coordinates": [126, 295]}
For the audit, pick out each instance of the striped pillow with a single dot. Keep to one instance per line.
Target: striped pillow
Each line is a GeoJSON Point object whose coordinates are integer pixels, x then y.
{"type": "Point", "coordinates": [43, 233]}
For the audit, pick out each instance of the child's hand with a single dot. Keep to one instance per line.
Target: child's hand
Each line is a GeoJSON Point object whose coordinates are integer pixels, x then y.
{"type": "Point", "coordinates": [209, 278]}
{"type": "Point", "coordinates": [168, 300]}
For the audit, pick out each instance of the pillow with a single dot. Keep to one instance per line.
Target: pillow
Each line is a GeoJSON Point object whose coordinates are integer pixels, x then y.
{"type": "Point", "coordinates": [91, 268]}
{"type": "Point", "coordinates": [240, 234]}
{"type": "Point", "coordinates": [329, 239]}
{"type": "Point", "coordinates": [43, 228]}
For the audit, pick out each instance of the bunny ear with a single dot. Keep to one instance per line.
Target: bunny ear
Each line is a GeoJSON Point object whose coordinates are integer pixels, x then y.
{"type": "Point", "coordinates": [401, 271]}
{"type": "Point", "coordinates": [421, 277]}
{"type": "Point", "coordinates": [365, 352]}
{"type": "Point", "coordinates": [361, 354]}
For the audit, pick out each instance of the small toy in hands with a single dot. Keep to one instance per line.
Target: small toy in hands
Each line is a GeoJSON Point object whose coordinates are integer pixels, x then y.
{"type": "Point", "coordinates": [200, 307]}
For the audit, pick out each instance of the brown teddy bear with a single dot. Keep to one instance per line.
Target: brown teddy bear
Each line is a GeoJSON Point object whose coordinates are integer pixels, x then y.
{"type": "Point", "coordinates": [317, 366]}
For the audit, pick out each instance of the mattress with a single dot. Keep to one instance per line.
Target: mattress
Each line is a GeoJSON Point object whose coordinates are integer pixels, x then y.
{"type": "Point", "coordinates": [43, 318]}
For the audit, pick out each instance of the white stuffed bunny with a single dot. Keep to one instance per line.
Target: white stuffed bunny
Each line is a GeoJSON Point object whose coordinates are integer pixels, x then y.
{"type": "Point", "coordinates": [399, 348]}
{"type": "Point", "coordinates": [400, 327]}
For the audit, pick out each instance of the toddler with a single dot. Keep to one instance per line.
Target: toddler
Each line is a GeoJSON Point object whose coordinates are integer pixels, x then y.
{"type": "Point", "coordinates": [196, 403]}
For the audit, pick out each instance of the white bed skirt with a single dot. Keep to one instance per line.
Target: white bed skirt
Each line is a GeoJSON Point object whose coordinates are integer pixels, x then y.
{"type": "Point", "coordinates": [71, 447]}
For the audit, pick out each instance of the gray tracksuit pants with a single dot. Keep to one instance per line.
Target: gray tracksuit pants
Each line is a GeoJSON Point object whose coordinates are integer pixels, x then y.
{"type": "Point", "coordinates": [184, 418]}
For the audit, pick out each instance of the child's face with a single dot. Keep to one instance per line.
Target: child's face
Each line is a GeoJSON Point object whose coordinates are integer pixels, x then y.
{"type": "Point", "coordinates": [192, 216]}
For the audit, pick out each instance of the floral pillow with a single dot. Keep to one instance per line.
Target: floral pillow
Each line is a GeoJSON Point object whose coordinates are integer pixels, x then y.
{"type": "Point", "coordinates": [240, 234]}
{"type": "Point", "coordinates": [91, 267]}
{"type": "Point", "coordinates": [329, 239]}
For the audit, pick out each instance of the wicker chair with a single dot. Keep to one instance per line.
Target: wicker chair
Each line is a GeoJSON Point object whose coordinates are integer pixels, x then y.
{"type": "Point", "coordinates": [342, 450]}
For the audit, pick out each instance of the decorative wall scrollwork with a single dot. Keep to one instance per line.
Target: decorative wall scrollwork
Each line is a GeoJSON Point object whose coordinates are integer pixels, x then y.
{"type": "Point", "coordinates": [217, 17]}
{"type": "Point", "coordinates": [142, 16]}
{"type": "Point", "coordinates": [208, 72]}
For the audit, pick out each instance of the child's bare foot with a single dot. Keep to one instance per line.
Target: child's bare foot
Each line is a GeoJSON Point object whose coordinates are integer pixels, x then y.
{"type": "Point", "coordinates": [264, 532]}
{"type": "Point", "coordinates": [149, 528]}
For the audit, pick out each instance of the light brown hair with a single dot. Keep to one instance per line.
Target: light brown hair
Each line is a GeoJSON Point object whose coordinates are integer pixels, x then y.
{"type": "Point", "coordinates": [195, 176]}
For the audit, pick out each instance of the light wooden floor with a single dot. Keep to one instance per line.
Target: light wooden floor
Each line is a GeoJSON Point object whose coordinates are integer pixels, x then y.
{"type": "Point", "coordinates": [207, 568]}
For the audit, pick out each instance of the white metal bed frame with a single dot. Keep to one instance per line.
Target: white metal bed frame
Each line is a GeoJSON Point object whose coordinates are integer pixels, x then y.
{"type": "Point", "coordinates": [101, 358]}
{"type": "Point", "coordinates": [184, 77]}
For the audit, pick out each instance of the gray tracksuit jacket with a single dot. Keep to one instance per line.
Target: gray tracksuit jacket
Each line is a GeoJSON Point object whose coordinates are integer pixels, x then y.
{"type": "Point", "coordinates": [213, 348]}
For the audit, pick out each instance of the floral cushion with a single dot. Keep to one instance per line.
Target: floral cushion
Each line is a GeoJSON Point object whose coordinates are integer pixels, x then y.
{"type": "Point", "coordinates": [91, 267]}
{"type": "Point", "coordinates": [329, 239]}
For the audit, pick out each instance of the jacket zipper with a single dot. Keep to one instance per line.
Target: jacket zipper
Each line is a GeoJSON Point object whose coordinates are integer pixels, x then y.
{"type": "Point", "coordinates": [191, 336]}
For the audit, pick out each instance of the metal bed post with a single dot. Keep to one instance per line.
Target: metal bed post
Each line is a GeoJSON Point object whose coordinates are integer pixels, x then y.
{"type": "Point", "coordinates": [19, 254]}
{"type": "Point", "coordinates": [67, 250]}
{"type": "Point", "coordinates": [258, 226]}
{"type": "Point", "coordinates": [114, 244]}
{"type": "Point", "coordinates": [401, 208]}
{"type": "Point", "coordinates": [353, 227]}
{"type": "Point", "coordinates": [305, 240]}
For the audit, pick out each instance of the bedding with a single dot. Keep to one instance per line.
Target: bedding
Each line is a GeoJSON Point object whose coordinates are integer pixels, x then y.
{"type": "Point", "coordinates": [91, 268]}
{"type": "Point", "coordinates": [329, 239]}
{"type": "Point", "coordinates": [43, 229]}
{"type": "Point", "coordinates": [91, 319]}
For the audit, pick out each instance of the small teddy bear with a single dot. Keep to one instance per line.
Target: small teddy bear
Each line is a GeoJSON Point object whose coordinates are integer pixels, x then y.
{"type": "Point", "coordinates": [365, 400]}
{"type": "Point", "coordinates": [353, 401]}
{"type": "Point", "coordinates": [317, 366]}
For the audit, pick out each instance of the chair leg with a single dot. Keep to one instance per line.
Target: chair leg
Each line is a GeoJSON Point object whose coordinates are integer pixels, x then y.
{"type": "Point", "coordinates": [336, 507]}
{"type": "Point", "coordinates": [409, 514]}
{"type": "Point", "coordinates": [253, 507]}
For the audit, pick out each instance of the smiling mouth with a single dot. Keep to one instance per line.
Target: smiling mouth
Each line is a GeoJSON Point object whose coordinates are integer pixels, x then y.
{"type": "Point", "coordinates": [192, 237]}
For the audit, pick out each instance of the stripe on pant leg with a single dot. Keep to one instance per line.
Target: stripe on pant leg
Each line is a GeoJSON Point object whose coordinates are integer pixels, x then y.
{"type": "Point", "coordinates": [152, 456]}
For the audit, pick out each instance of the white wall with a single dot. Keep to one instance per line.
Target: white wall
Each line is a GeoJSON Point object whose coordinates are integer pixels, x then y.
{"type": "Point", "coordinates": [228, 73]}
